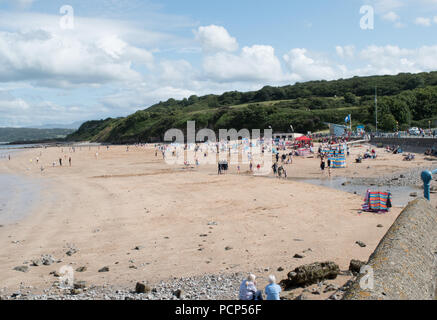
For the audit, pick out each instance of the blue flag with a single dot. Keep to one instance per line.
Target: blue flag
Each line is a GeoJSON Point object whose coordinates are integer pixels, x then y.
{"type": "Point", "coordinates": [347, 119]}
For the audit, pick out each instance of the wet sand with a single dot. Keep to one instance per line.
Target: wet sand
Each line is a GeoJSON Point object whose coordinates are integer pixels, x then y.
{"type": "Point", "coordinates": [182, 218]}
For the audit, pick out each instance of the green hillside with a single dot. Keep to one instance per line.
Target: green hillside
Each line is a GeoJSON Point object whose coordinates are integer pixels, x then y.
{"type": "Point", "coordinates": [403, 100]}
{"type": "Point", "coordinates": [30, 134]}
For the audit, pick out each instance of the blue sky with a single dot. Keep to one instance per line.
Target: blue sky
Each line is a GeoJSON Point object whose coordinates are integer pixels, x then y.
{"type": "Point", "coordinates": [125, 55]}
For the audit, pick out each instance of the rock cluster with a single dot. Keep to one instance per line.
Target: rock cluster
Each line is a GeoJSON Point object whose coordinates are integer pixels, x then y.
{"type": "Point", "coordinates": [410, 177]}
{"type": "Point", "coordinates": [206, 287]}
{"type": "Point", "coordinates": [309, 274]}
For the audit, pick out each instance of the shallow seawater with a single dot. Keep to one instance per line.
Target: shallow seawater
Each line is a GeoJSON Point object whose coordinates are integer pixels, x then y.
{"type": "Point", "coordinates": [400, 195]}
{"type": "Point", "coordinates": [6, 150]}
{"type": "Point", "coordinates": [17, 196]}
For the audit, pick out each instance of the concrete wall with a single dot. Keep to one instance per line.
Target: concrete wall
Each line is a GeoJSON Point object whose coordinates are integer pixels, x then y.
{"type": "Point", "coordinates": [418, 145]}
{"type": "Point", "coordinates": [405, 261]}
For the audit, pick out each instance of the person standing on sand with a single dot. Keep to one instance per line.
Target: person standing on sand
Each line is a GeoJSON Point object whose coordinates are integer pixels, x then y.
{"type": "Point", "coordinates": [9, 156]}
{"type": "Point", "coordinates": [60, 162]}
{"type": "Point", "coordinates": [69, 160]}
{"type": "Point", "coordinates": [272, 289]}
{"type": "Point", "coordinates": [322, 165]}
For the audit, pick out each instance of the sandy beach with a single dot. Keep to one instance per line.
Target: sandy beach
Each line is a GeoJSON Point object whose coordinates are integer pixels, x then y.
{"type": "Point", "coordinates": [184, 221]}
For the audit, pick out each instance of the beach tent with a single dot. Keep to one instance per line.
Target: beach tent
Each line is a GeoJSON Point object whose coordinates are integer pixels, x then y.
{"type": "Point", "coordinates": [338, 162]}
{"type": "Point", "coordinates": [337, 157]}
{"type": "Point", "coordinates": [304, 139]}
{"type": "Point", "coordinates": [376, 201]}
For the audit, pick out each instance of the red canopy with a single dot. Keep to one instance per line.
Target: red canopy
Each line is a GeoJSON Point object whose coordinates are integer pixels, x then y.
{"type": "Point", "coordinates": [304, 138]}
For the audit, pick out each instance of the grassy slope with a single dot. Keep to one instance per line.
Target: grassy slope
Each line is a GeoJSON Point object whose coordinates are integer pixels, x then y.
{"type": "Point", "coordinates": [308, 106]}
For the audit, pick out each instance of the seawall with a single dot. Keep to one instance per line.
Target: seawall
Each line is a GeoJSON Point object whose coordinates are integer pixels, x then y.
{"type": "Point", "coordinates": [418, 145]}
{"type": "Point", "coordinates": [405, 262]}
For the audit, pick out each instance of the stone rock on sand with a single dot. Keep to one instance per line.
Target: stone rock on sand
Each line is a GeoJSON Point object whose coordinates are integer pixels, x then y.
{"type": "Point", "coordinates": [309, 274]}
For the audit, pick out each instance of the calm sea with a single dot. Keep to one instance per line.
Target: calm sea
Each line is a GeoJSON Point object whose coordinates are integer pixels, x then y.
{"type": "Point", "coordinates": [17, 193]}
{"type": "Point", "coordinates": [6, 150]}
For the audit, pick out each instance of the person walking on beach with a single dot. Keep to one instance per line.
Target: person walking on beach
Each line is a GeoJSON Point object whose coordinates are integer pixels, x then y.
{"type": "Point", "coordinates": [69, 160]}
{"type": "Point", "coordinates": [60, 162]}
{"type": "Point", "coordinates": [275, 168]}
{"type": "Point", "coordinates": [322, 165]}
{"type": "Point", "coordinates": [272, 289]}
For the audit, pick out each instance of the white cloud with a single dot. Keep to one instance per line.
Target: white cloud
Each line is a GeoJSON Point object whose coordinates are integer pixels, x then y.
{"type": "Point", "coordinates": [391, 16]}
{"type": "Point", "coordinates": [345, 51]}
{"type": "Point", "coordinates": [175, 70]}
{"type": "Point", "coordinates": [22, 4]}
{"type": "Point", "coordinates": [381, 60]}
{"type": "Point", "coordinates": [216, 38]}
{"type": "Point", "coordinates": [421, 21]}
{"type": "Point", "coordinates": [304, 67]}
{"type": "Point", "coordinates": [13, 105]}
{"type": "Point", "coordinates": [118, 50]}
{"type": "Point", "coordinates": [52, 60]}
{"type": "Point", "coordinates": [256, 63]}
{"type": "Point", "coordinates": [384, 6]}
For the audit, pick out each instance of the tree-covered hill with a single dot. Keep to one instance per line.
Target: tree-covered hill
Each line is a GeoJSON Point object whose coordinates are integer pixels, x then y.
{"type": "Point", "coordinates": [30, 134]}
{"type": "Point", "coordinates": [403, 100]}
